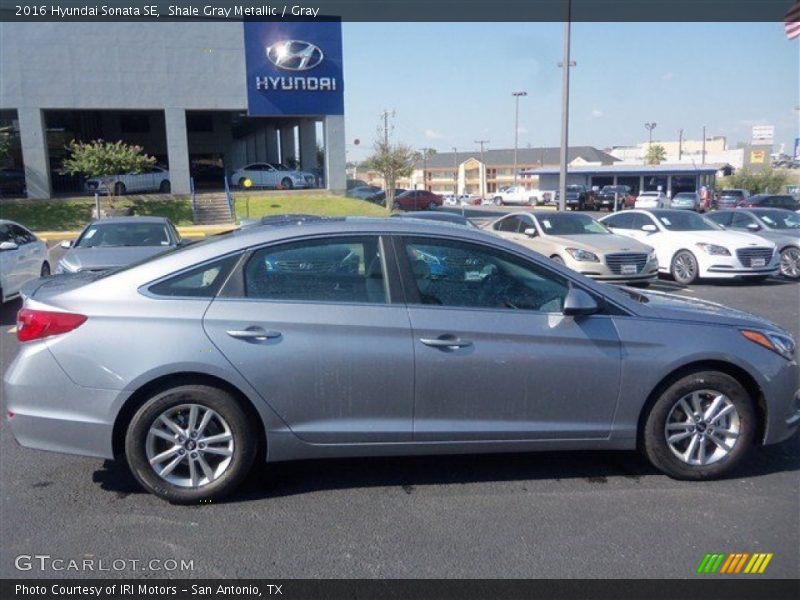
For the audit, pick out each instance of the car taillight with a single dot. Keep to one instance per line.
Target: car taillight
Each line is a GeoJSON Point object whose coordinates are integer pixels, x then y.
{"type": "Point", "coordinates": [38, 324]}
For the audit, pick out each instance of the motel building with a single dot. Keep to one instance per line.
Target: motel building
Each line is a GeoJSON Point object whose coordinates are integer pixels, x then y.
{"type": "Point", "coordinates": [204, 98]}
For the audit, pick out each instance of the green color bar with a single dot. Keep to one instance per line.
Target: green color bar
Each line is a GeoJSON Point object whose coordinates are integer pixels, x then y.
{"type": "Point", "coordinates": [718, 563]}
{"type": "Point", "coordinates": [703, 562]}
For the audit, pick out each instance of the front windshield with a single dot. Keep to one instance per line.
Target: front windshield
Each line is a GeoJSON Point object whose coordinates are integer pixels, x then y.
{"type": "Point", "coordinates": [571, 224]}
{"type": "Point", "coordinates": [686, 221]}
{"type": "Point", "coordinates": [780, 219]}
{"type": "Point", "coordinates": [113, 235]}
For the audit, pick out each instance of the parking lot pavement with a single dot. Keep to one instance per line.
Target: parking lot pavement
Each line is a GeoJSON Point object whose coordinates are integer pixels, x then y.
{"type": "Point", "coordinates": [565, 514]}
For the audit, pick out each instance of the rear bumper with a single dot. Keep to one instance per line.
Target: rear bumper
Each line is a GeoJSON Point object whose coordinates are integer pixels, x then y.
{"type": "Point", "coordinates": [51, 412]}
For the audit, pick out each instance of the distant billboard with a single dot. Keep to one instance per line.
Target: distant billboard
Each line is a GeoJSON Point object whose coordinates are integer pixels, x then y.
{"type": "Point", "coordinates": [763, 135]}
{"type": "Point", "coordinates": [757, 157]}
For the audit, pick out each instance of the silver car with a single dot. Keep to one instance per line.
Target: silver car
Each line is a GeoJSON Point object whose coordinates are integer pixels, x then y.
{"type": "Point", "coordinates": [117, 242]}
{"type": "Point", "coordinates": [355, 337]}
{"type": "Point", "coordinates": [774, 224]}
{"type": "Point", "coordinates": [686, 200]}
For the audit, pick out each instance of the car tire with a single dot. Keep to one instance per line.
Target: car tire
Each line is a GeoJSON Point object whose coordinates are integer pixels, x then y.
{"type": "Point", "coordinates": [286, 183]}
{"type": "Point", "coordinates": [691, 446]}
{"type": "Point", "coordinates": [498, 201]}
{"type": "Point", "coordinates": [790, 262]}
{"type": "Point", "coordinates": [119, 188]}
{"type": "Point", "coordinates": [557, 259]}
{"type": "Point", "coordinates": [396, 205]}
{"type": "Point", "coordinates": [45, 270]}
{"type": "Point", "coordinates": [684, 268]}
{"type": "Point", "coordinates": [184, 483]}
{"type": "Point", "coordinates": [165, 187]}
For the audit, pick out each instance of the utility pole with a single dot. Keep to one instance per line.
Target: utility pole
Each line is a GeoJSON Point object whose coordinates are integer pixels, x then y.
{"type": "Point", "coordinates": [565, 64]}
{"type": "Point", "coordinates": [386, 114]}
{"type": "Point", "coordinates": [680, 144]}
{"type": "Point", "coordinates": [704, 144]}
{"type": "Point", "coordinates": [424, 153]}
{"type": "Point", "coordinates": [455, 171]}
{"type": "Point", "coordinates": [482, 174]}
{"type": "Point", "coordinates": [517, 96]}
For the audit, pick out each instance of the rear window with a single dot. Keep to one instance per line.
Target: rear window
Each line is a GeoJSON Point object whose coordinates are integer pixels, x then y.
{"type": "Point", "coordinates": [201, 282]}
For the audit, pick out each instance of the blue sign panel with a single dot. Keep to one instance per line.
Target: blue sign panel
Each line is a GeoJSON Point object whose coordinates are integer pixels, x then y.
{"type": "Point", "coordinates": [294, 68]}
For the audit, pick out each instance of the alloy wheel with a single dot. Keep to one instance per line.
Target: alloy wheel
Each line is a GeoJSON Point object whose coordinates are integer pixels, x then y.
{"type": "Point", "coordinates": [189, 445]}
{"type": "Point", "coordinates": [790, 263]}
{"type": "Point", "coordinates": [702, 428]}
{"type": "Point", "coordinates": [684, 268]}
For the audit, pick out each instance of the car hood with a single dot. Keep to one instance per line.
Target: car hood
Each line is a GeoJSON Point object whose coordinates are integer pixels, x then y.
{"type": "Point", "coordinates": [734, 239]}
{"type": "Point", "coordinates": [96, 259]}
{"type": "Point", "coordinates": [672, 306]}
{"type": "Point", "coordinates": [781, 237]}
{"type": "Point", "coordinates": [599, 243]}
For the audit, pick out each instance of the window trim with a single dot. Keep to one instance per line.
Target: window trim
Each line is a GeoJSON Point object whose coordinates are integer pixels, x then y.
{"type": "Point", "coordinates": [144, 289]}
{"type": "Point", "coordinates": [233, 289]}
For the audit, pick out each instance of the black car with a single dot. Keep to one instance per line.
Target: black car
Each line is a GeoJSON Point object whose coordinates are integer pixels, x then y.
{"type": "Point", "coordinates": [772, 201]}
{"type": "Point", "coordinates": [579, 197]}
{"type": "Point", "coordinates": [380, 196]}
{"type": "Point", "coordinates": [623, 194]}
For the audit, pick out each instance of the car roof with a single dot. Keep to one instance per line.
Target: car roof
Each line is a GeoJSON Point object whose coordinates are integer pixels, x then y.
{"type": "Point", "coordinates": [443, 217]}
{"type": "Point", "coordinates": [132, 220]}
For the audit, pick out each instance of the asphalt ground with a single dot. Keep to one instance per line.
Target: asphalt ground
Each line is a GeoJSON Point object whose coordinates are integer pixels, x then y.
{"type": "Point", "coordinates": [555, 515]}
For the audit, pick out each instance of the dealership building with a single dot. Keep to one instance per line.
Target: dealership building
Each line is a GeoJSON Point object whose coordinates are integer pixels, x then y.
{"type": "Point", "coordinates": [202, 97]}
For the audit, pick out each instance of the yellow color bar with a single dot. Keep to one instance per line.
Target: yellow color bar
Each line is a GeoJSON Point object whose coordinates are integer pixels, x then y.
{"type": "Point", "coordinates": [764, 564]}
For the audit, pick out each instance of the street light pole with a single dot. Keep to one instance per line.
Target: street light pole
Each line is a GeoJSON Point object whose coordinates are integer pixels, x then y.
{"type": "Point", "coordinates": [565, 64]}
{"type": "Point", "coordinates": [680, 144]}
{"type": "Point", "coordinates": [704, 144]}
{"type": "Point", "coordinates": [516, 129]}
{"type": "Point", "coordinates": [482, 177]}
{"type": "Point", "coordinates": [649, 127]}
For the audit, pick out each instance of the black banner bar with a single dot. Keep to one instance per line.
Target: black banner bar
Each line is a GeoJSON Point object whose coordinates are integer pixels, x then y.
{"type": "Point", "coordinates": [396, 10]}
{"type": "Point", "coordinates": [711, 588]}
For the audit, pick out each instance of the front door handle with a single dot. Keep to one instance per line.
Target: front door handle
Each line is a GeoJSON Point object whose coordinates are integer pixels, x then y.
{"type": "Point", "coordinates": [447, 342]}
{"type": "Point", "coordinates": [253, 333]}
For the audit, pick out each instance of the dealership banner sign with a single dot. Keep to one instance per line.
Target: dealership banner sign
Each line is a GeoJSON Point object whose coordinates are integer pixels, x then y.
{"type": "Point", "coordinates": [294, 68]}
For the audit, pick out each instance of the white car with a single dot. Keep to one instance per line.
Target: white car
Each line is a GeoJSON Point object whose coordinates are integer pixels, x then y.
{"type": "Point", "coordinates": [269, 175]}
{"type": "Point", "coordinates": [150, 180]}
{"type": "Point", "coordinates": [651, 200]}
{"type": "Point", "coordinates": [690, 246]}
{"type": "Point", "coordinates": [23, 257]}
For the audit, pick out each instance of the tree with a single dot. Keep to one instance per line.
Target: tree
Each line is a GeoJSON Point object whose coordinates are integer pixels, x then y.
{"type": "Point", "coordinates": [655, 155]}
{"type": "Point", "coordinates": [392, 161]}
{"type": "Point", "coordinates": [105, 160]}
{"type": "Point", "coordinates": [769, 180]}
{"type": "Point", "coordinates": [5, 142]}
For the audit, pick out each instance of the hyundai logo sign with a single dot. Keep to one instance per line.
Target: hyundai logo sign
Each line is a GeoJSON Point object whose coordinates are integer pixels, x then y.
{"type": "Point", "coordinates": [294, 55]}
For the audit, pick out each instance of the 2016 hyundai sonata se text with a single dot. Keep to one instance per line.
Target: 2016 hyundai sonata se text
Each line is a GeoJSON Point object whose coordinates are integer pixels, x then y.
{"type": "Point", "coordinates": [356, 337]}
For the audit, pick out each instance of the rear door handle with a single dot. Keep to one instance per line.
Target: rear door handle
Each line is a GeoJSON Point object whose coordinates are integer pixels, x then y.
{"type": "Point", "coordinates": [450, 342]}
{"type": "Point", "coordinates": [253, 333]}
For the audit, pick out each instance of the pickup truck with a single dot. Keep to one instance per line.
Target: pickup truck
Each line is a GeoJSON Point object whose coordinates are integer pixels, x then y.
{"type": "Point", "coordinates": [625, 199]}
{"type": "Point", "coordinates": [579, 197]}
{"type": "Point", "coordinates": [514, 194]}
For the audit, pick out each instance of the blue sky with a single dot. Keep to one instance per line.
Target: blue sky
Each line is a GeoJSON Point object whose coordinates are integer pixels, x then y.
{"type": "Point", "coordinates": [451, 83]}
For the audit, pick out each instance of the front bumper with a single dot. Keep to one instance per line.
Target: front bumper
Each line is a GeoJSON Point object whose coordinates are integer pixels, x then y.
{"type": "Point", "coordinates": [783, 404]}
{"type": "Point", "coordinates": [600, 271]}
{"type": "Point", "coordinates": [48, 411]}
{"type": "Point", "coordinates": [729, 267]}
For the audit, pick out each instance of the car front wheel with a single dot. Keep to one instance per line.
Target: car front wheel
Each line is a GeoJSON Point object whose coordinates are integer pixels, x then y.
{"type": "Point", "coordinates": [684, 268]}
{"type": "Point", "coordinates": [790, 262]}
{"type": "Point", "coordinates": [190, 443]}
{"type": "Point", "coordinates": [700, 427]}
{"type": "Point", "coordinates": [498, 202]}
{"type": "Point", "coordinates": [45, 270]}
{"type": "Point", "coordinates": [286, 183]}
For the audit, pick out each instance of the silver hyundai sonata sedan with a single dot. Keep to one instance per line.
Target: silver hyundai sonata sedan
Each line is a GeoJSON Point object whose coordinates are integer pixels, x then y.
{"type": "Point", "coordinates": [356, 337]}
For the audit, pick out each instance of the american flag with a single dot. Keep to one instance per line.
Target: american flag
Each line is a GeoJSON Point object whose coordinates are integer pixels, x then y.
{"type": "Point", "coordinates": [791, 22]}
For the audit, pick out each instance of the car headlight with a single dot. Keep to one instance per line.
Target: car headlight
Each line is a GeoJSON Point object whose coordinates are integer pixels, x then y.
{"type": "Point", "coordinates": [582, 255]}
{"type": "Point", "coordinates": [652, 256]}
{"type": "Point", "coordinates": [780, 343]}
{"type": "Point", "coordinates": [714, 249]}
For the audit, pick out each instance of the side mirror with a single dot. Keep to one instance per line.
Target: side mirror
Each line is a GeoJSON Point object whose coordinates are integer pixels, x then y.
{"type": "Point", "coordinates": [649, 228]}
{"type": "Point", "coordinates": [754, 227]}
{"type": "Point", "coordinates": [66, 244]}
{"type": "Point", "coordinates": [530, 232]}
{"type": "Point", "coordinates": [579, 303]}
{"type": "Point", "coordinates": [8, 246]}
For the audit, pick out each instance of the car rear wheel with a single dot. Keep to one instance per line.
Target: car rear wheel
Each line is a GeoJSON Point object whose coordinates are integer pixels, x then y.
{"type": "Point", "coordinates": [286, 183]}
{"type": "Point", "coordinates": [684, 268]}
{"type": "Point", "coordinates": [119, 188]}
{"type": "Point", "coordinates": [45, 271]}
{"type": "Point", "coordinates": [165, 187]}
{"type": "Point", "coordinates": [190, 443]}
{"type": "Point", "coordinates": [395, 205]}
{"type": "Point", "coordinates": [700, 427]}
{"type": "Point", "coordinates": [498, 201]}
{"type": "Point", "coordinates": [790, 262]}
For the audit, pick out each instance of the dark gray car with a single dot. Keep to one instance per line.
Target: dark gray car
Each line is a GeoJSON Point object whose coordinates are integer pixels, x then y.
{"type": "Point", "coordinates": [355, 337]}
{"type": "Point", "coordinates": [117, 242]}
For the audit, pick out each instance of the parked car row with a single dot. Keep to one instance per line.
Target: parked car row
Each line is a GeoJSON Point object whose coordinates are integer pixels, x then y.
{"type": "Point", "coordinates": [263, 344]}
